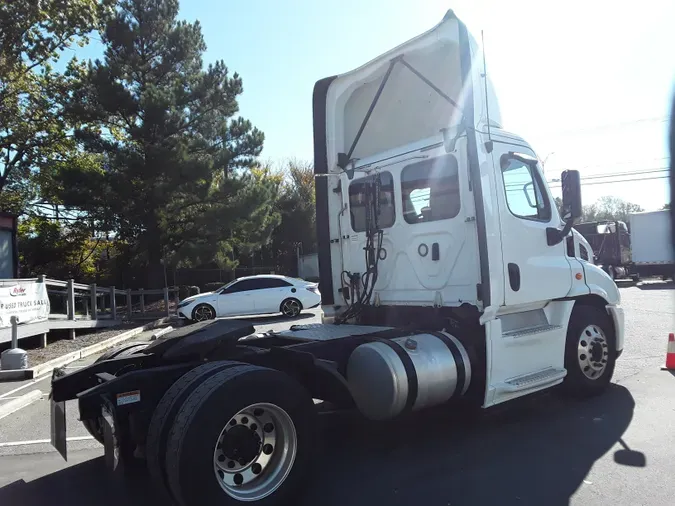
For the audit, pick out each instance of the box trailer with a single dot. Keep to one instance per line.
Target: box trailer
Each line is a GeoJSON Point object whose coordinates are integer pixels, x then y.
{"type": "Point", "coordinates": [651, 244]}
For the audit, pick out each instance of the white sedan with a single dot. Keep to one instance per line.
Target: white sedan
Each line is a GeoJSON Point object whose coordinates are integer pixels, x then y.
{"type": "Point", "coordinates": [253, 295]}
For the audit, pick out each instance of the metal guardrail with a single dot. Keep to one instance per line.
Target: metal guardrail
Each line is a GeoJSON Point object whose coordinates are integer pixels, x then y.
{"type": "Point", "coordinates": [95, 293]}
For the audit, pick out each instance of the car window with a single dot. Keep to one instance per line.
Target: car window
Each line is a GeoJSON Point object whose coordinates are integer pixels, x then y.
{"type": "Point", "coordinates": [583, 252]}
{"type": "Point", "coordinates": [524, 194]}
{"type": "Point", "coordinates": [276, 283]}
{"type": "Point", "coordinates": [242, 286]}
{"type": "Point", "coordinates": [357, 201]}
{"type": "Point", "coordinates": [430, 190]}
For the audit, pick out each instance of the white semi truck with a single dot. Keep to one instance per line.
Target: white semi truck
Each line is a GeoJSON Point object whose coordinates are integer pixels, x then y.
{"type": "Point", "coordinates": [446, 271]}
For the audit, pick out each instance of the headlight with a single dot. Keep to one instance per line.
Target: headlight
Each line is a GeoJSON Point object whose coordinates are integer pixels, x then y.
{"type": "Point", "coordinates": [183, 304]}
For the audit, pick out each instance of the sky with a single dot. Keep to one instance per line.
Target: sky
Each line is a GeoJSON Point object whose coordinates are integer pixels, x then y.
{"type": "Point", "coordinates": [587, 83]}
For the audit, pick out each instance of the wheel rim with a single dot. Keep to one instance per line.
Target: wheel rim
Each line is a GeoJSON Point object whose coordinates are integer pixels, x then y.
{"type": "Point", "coordinates": [593, 352]}
{"type": "Point", "coordinates": [203, 313]}
{"type": "Point", "coordinates": [255, 452]}
{"type": "Point", "coordinates": [291, 308]}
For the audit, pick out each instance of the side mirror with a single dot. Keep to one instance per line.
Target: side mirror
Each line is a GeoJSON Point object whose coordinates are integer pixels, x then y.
{"type": "Point", "coordinates": [571, 190]}
{"type": "Point", "coordinates": [571, 194]}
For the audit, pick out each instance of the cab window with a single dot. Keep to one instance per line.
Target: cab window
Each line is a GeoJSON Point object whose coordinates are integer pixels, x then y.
{"type": "Point", "coordinates": [524, 190]}
{"type": "Point", "coordinates": [358, 198]}
{"type": "Point", "coordinates": [430, 190]}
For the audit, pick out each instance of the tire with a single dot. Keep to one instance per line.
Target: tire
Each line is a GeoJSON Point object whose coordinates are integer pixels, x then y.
{"type": "Point", "coordinates": [290, 307]}
{"type": "Point", "coordinates": [95, 425]}
{"type": "Point", "coordinates": [164, 414]}
{"type": "Point", "coordinates": [590, 352]}
{"type": "Point", "coordinates": [203, 312]}
{"type": "Point", "coordinates": [221, 402]}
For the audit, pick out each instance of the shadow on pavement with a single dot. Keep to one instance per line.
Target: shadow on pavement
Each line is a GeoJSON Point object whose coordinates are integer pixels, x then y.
{"type": "Point", "coordinates": [536, 452]}
{"type": "Point", "coordinates": [275, 318]}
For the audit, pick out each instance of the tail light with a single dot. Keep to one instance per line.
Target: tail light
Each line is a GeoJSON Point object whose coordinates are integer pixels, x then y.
{"type": "Point", "coordinates": [314, 289]}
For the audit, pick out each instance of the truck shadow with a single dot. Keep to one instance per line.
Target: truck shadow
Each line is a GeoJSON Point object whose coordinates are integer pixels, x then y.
{"type": "Point", "coordinates": [273, 318]}
{"type": "Point", "coordinates": [535, 452]}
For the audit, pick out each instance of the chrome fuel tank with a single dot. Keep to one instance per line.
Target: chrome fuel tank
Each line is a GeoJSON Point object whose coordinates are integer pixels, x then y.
{"type": "Point", "coordinates": [391, 376]}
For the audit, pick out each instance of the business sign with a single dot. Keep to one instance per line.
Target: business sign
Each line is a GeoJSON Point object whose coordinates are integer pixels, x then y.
{"type": "Point", "coordinates": [27, 301]}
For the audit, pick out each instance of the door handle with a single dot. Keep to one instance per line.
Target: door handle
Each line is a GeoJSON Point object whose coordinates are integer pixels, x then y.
{"type": "Point", "coordinates": [435, 253]}
{"type": "Point", "coordinates": [514, 277]}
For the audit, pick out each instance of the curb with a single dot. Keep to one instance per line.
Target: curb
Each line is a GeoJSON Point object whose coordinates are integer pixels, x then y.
{"type": "Point", "coordinates": [19, 403]}
{"type": "Point", "coordinates": [50, 365]}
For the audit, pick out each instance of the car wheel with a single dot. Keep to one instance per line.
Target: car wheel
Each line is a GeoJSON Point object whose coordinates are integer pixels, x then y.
{"type": "Point", "coordinates": [291, 308]}
{"type": "Point", "coordinates": [590, 352]}
{"type": "Point", "coordinates": [203, 312]}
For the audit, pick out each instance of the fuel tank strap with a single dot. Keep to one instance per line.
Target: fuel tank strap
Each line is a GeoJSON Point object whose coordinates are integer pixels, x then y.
{"type": "Point", "coordinates": [407, 362]}
{"type": "Point", "coordinates": [459, 360]}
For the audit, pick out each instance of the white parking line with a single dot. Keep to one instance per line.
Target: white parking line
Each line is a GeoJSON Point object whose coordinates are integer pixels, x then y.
{"type": "Point", "coordinates": [8, 395]}
{"type": "Point", "coordinates": [42, 441]}
{"type": "Point", "coordinates": [17, 389]}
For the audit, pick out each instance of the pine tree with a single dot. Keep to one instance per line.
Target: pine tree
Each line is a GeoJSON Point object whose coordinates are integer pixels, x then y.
{"type": "Point", "coordinates": [179, 177]}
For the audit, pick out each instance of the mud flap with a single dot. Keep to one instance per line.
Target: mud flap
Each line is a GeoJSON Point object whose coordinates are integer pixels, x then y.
{"type": "Point", "coordinates": [110, 443]}
{"type": "Point", "coordinates": [58, 427]}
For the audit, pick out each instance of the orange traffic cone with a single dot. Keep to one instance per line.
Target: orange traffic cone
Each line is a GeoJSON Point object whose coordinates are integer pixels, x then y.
{"type": "Point", "coordinates": [670, 353]}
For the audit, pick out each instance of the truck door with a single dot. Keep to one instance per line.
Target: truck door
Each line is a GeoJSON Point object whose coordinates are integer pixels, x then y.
{"type": "Point", "coordinates": [534, 271]}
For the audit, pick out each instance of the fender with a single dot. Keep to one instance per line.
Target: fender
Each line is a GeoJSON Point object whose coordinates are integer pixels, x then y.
{"type": "Point", "coordinates": [599, 284]}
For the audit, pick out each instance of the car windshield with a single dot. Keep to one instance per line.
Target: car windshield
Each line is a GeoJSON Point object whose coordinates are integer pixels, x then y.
{"type": "Point", "coordinates": [225, 287]}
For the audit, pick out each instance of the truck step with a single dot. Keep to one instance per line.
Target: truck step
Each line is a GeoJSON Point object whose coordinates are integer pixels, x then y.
{"type": "Point", "coordinates": [539, 329]}
{"type": "Point", "coordinates": [533, 380]}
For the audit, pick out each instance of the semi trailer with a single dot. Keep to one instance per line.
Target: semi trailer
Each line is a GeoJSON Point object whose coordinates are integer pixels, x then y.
{"type": "Point", "coordinates": [447, 274]}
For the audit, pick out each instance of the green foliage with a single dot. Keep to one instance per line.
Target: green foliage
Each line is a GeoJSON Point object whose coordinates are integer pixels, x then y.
{"type": "Point", "coordinates": [48, 246]}
{"type": "Point", "coordinates": [609, 208]}
{"type": "Point", "coordinates": [33, 129]}
{"type": "Point", "coordinates": [296, 207]}
{"type": "Point", "coordinates": [178, 179]}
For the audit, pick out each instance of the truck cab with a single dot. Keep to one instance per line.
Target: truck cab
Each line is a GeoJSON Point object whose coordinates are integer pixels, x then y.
{"type": "Point", "coordinates": [430, 213]}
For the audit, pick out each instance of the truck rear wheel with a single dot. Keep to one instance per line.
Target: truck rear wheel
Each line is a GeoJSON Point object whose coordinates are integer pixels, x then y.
{"type": "Point", "coordinates": [164, 414]}
{"type": "Point", "coordinates": [590, 352]}
{"type": "Point", "coordinates": [95, 425]}
{"type": "Point", "coordinates": [246, 434]}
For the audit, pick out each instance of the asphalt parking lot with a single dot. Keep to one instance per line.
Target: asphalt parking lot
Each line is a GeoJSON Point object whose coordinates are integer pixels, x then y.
{"type": "Point", "coordinates": [616, 449]}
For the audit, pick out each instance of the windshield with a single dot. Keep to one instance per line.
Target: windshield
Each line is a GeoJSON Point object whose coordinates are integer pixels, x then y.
{"type": "Point", "coordinates": [225, 287]}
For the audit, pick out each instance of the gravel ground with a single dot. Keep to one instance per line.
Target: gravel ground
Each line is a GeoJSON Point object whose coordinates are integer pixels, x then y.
{"type": "Point", "coordinates": [59, 347]}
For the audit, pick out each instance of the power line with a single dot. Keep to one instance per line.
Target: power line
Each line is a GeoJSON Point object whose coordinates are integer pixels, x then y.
{"type": "Point", "coordinates": [615, 182]}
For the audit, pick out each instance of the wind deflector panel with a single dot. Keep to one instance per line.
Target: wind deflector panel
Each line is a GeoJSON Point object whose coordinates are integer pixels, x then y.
{"type": "Point", "coordinates": [321, 189]}
{"type": "Point", "coordinates": [419, 98]}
